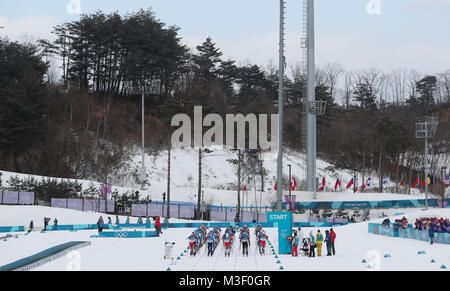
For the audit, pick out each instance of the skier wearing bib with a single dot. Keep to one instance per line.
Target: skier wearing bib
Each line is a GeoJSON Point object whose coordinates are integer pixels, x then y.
{"type": "Point", "coordinates": [227, 243]}
{"type": "Point", "coordinates": [263, 238]}
{"type": "Point", "coordinates": [245, 240]}
{"type": "Point", "coordinates": [211, 239]}
{"type": "Point", "coordinates": [192, 241]}
{"type": "Point", "coordinates": [319, 241]}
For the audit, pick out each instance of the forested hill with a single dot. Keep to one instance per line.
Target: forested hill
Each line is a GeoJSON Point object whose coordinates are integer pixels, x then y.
{"type": "Point", "coordinates": [86, 122]}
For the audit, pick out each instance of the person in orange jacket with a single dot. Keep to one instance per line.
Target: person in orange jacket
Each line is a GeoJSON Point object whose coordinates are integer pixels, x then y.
{"type": "Point", "coordinates": [319, 242]}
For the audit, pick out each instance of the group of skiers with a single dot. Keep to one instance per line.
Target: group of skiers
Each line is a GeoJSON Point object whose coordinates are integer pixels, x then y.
{"type": "Point", "coordinates": [197, 239]}
{"type": "Point", "coordinates": [309, 244]}
{"type": "Point", "coordinates": [212, 237]}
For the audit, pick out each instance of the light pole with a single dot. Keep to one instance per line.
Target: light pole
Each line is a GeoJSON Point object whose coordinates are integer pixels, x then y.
{"type": "Point", "coordinates": [426, 130]}
{"type": "Point", "coordinates": [141, 90]}
{"type": "Point", "coordinates": [280, 108]}
{"type": "Point", "coordinates": [290, 188]}
{"type": "Point", "coordinates": [443, 173]}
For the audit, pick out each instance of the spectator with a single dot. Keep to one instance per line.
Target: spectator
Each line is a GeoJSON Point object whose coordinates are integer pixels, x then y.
{"type": "Point", "coordinates": [46, 220]}
{"type": "Point", "coordinates": [109, 220]}
{"type": "Point", "coordinates": [319, 242]}
{"type": "Point", "coordinates": [295, 242]}
{"type": "Point", "coordinates": [312, 245]}
{"type": "Point", "coordinates": [55, 222]}
{"type": "Point", "coordinates": [333, 238]}
{"type": "Point", "coordinates": [431, 233]}
{"type": "Point", "coordinates": [31, 228]}
{"type": "Point", "coordinates": [117, 220]}
{"type": "Point", "coordinates": [158, 225]}
{"type": "Point", "coordinates": [328, 242]}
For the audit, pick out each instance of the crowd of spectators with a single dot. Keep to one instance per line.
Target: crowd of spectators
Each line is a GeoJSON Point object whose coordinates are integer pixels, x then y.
{"type": "Point", "coordinates": [438, 225]}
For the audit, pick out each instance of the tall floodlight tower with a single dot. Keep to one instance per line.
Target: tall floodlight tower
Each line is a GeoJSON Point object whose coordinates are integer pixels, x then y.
{"type": "Point", "coordinates": [310, 100]}
{"type": "Point", "coordinates": [280, 109]}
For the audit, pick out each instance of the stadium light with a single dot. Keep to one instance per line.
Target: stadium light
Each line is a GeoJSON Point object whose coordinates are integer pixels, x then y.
{"type": "Point", "coordinates": [426, 130]}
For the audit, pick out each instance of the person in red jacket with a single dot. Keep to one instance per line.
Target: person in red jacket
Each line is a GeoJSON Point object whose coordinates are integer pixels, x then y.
{"type": "Point", "coordinates": [333, 238]}
{"type": "Point", "coordinates": [158, 225]}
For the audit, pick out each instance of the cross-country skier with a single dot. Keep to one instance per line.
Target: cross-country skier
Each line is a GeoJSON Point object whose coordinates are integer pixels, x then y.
{"type": "Point", "coordinates": [128, 220]}
{"type": "Point", "coordinates": [211, 240]}
{"type": "Point", "coordinates": [55, 222]}
{"type": "Point", "coordinates": [245, 241]}
{"type": "Point", "coordinates": [117, 220]}
{"type": "Point", "coordinates": [192, 242]}
{"type": "Point", "coordinates": [227, 238]}
{"type": "Point", "coordinates": [168, 246]}
{"type": "Point", "coordinates": [262, 239]}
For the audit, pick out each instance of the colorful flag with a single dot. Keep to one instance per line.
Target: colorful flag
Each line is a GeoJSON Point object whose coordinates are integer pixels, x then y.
{"type": "Point", "coordinates": [446, 179]}
{"type": "Point", "coordinates": [322, 187]}
{"type": "Point", "coordinates": [245, 187]}
{"type": "Point", "coordinates": [416, 182]}
{"type": "Point", "coordinates": [350, 183]}
{"type": "Point", "coordinates": [293, 183]}
{"type": "Point", "coordinates": [276, 186]}
{"type": "Point", "coordinates": [338, 183]}
{"type": "Point", "coordinates": [385, 180]}
{"type": "Point", "coordinates": [368, 183]}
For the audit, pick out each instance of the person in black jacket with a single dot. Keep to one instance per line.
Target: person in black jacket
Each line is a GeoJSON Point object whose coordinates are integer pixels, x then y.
{"type": "Point", "coordinates": [46, 220]}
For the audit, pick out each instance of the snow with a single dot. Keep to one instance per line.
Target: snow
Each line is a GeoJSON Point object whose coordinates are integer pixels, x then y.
{"type": "Point", "coordinates": [353, 244]}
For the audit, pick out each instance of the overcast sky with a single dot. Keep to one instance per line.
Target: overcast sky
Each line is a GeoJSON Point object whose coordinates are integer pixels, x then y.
{"type": "Point", "coordinates": [409, 34]}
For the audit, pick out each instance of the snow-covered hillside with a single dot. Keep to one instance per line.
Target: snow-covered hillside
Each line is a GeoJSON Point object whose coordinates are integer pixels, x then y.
{"type": "Point", "coordinates": [219, 181]}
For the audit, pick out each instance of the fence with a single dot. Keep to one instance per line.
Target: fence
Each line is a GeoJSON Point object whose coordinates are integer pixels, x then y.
{"type": "Point", "coordinates": [177, 210]}
{"type": "Point", "coordinates": [84, 205]}
{"type": "Point", "coordinates": [16, 198]}
{"type": "Point", "coordinates": [394, 230]}
{"type": "Point", "coordinates": [413, 203]}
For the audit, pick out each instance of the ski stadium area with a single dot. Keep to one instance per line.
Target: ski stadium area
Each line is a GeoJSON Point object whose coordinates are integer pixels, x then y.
{"type": "Point", "coordinates": [356, 248]}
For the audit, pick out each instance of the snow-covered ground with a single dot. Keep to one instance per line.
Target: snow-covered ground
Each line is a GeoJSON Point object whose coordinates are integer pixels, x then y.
{"type": "Point", "coordinates": [353, 244]}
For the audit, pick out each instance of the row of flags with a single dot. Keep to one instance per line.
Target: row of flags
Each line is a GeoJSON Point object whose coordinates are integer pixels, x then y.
{"type": "Point", "coordinates": [338, 184]}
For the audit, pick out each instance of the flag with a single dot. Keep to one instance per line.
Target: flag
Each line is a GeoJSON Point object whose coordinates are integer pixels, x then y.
{"type": "Point", "coordinates": [446, 179]}
{"type": "Point", "coordinates": [423, 184]}
{"type": "Point", "coordinates": [363, 187]}
{"type": "Point", "coordinates": [350, 183]}
{"type": "Point", "coordinates": [368, 182]}
{"type": "Point", "coordinates": [293, 183]}
{"type": "Point", "coordinates": [322, 187]}
{"type": "Point", "coordinates": [401, 182]}
{"type": "Point", "coordinates": [245, 187]}
{"type": "Point", "coordinates": [385, 180]}
{"type": "Point", "coordinates": [338, 183]}
{"type": "Point", "coordinates": [416, 182]}
{"type": "Point", "coordinates": [276, 186]}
